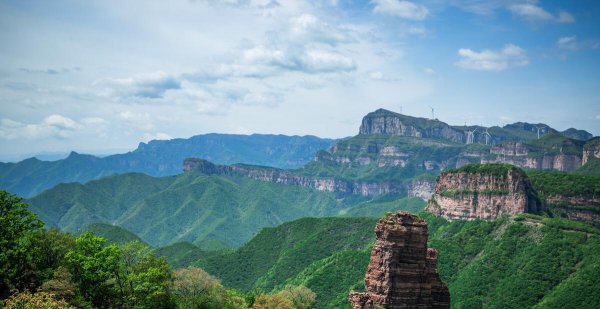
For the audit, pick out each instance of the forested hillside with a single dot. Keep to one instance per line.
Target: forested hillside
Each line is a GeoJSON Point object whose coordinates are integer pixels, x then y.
{"type": "Point", "coordinates": [551, 261]}
{"type": "Point", "coordinates": [161, 158]}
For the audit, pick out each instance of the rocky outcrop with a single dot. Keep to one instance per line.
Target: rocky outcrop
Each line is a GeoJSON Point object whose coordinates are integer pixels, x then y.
{"type": "Point", "coordinates": [584, 207]}
{"type": "Point", "coordinates": [274, 175]}
{"type": "Point", "coordinates": [591, 150]}
{"type": "Point", "coordinates": [421, 188]}
{"type": "Point", "coordinates": [518, 154]}
{"type": "Point", "coordinates": [402, 272]}
{"type": "Point", "coordinates": [386, 122]}
{"type": "Point", "coordinates": [483, 192]}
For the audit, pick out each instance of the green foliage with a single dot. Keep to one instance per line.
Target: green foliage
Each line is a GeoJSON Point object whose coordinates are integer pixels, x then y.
{"type": "Point", "coordinates": [333, 277]}
{"type": "Point", "coordinates": [591, 167]}
{"type": "Point", "coordinates": [179, 254]}
{"type": "Point", "coordinates": [496, 169]}
{"type": "Point", "coordinates": [366, 147]}
{"type": "Point", "coordinates": [112, 233]}
{"type": "Point", "coordinates": [18, 228]}
{"type": "Point", "coordinates": [211, 212]}
{"type": "Point", "coordinates": [161, 158]}
{"type": "Point", "coordinates": [505, 263]}
{"type": "Point", "coordinates": [579, 290]}
{"type": "Point", "coordinates": [554, 143]}
{"type": "Point", "coordinates": [277, 254]}
{"type": "Point", "coordinates": [301, 296]}
{"type": "Point", "coordinates": [273, 301]}
{"type": "Point", "coordinates": [564, 184]}
{"type": "Point", "coordinates": [93, 265]}
{"type": "Point", "coordinates": [26, 300]}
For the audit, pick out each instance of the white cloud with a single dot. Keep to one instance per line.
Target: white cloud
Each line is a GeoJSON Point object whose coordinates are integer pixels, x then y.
{"type": "Point", "coordinates": [376, 75]}
{"type": "Point", "coordinates": [94, 121]}
{"type": "Point", "coordinates": [533, 12]}
{"type": "Point", "coordinates": [53, 126]}
{"type": "Point", "coordinates": [137, 120]}
{"type": "Point", "coordinates": [567, 42]}
{"type": "Point", "coordinates": [156, 136]}
{"type": "Point", "coordinates": [141, 86]}
{"type": "Point", "coordinates": [323, 61]}
{"type": "Point", "coordinates": [307, 28]}
{"type": "Point", "coordinates": [565, 17]}
{"type": "Point", "coordinates": [489, 60]}
{"type": "Point", "coordinates": [429, 71]}
{"type": "Point", "coordinates": [401, 8]}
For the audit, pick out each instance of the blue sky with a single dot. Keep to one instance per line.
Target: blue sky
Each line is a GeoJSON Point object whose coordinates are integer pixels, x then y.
{"type": "Point", "coordinates": [101, 76]}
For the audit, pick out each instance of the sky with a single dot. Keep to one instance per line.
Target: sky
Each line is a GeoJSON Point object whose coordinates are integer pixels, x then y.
{"type": "Point", "coordinates": [102, 76]}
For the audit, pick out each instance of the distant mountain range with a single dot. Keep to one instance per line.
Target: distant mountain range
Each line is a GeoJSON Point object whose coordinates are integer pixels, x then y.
{"type": "Point", "coordinates": [161, 158]}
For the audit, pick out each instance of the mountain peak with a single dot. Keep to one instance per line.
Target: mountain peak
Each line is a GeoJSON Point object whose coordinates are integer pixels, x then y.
{"type": "Point", "coordinates": [386, 122]}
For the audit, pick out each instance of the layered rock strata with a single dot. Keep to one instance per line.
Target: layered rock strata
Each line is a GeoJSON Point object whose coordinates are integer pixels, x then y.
{"type": "Point", "coordinates": [274, 175]}
{"type": "Point", "coordinates": [386, 122]}
{"type": "Point", "coordinates": [402, 272]}
{"type": "Point", "coordinates": [591, 150]}
{"type": "Point", "coordinates": [493, 191]}
{"type": "Point", "coordinates": [518, 154]}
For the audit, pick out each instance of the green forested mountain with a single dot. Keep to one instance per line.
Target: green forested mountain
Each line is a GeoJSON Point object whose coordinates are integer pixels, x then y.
{"type": "Point", "coordinates": [508, 263]}
{"type": "Point", "coordinates": [209, 211]}
{"type": "Point", "coordinates": [112, 233]}
{"type": "Point", "coordinates": [161, 158]}
{"type": "Point", "coordinates": [277, 255]}
{"type": "Point", "coordinates": [206, 210]}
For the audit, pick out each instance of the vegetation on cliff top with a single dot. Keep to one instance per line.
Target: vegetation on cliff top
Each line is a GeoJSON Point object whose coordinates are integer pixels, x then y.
{"type": "Point", "coordinates": [564, 184]}
{"type": "Point", "coordinates": [496, 169]}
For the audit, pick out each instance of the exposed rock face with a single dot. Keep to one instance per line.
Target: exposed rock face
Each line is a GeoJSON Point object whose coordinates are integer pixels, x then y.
{"type": "Point", "coordinates": [402, 272]}
{"type": "Point", "coordinates": [386, 122]}
{"type": "Point", "coordinates": [468, 195]}
{"type": "Point", "coordinates": [591, 149]}
{"type": "Point", "coordinates": [584, 207]}
{"type": "Point", "coordinates": [274, 175]}
{"type": "Point", "coordinates": [421, 188]}
{"type": "Point", "coordinates": [518, 154]}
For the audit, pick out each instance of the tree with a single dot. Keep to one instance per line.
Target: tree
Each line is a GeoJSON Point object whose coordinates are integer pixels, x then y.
{"type": "Point", "coordinates": [301, 296]}
{"type": "Point", "coordinates": [195, 288]}
{"type": "Point", "coordinates": [17, 227]}
{"type": "Point", "coordinates": [272, 301]}
{"type": "Point", "coordinates": [26, 300]}
{"type": "Point", "coordinates": [93, 265]}
{"type": "Point", "coordinates": [151, 279]}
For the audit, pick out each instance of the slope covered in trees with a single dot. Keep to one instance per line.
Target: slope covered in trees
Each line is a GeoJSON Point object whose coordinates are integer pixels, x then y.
{"type": "Point", "coordinates": [548, 260]}
{"type": "Point", "coordinates": [207, 210]}
{"type": "Point", "coordinates": [161, 158]}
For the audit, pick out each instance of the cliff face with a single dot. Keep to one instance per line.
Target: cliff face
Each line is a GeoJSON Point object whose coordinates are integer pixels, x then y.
{"type": "Point", "coordinates": [386, 122]}
{"type": "Point", "coordinates": [518, 154]}
{"type": "Point", "coordinates": [402, 272]}
{"type": "Point", "coordinates": [591, 149]}
{"type": "Point", "coordinates": [421, 188]}
{"type": "Point", "coordinates": [486, 194]}
{"type": "Point", "coordinates": [285, 177]}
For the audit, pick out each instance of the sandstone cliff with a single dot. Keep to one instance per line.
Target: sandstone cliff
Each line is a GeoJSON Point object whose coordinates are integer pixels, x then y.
{"type": "Point", "coordinates": [274, 175]}
{"type": "Point", "coordinates": [386, 122]}
{"type": "Point", "coordinates": [483, 192]}
{"type": "Point", "coordinates": [402, 272]}
{"type": "Point", "coordinates": [591, 150]}
{"type": "Point", "coordinates": [519, 154]}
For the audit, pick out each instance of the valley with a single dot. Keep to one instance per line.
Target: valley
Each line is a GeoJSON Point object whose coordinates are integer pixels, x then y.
{"type": "Point", "coordinates": [492, 210]}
